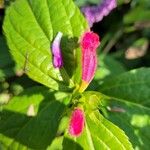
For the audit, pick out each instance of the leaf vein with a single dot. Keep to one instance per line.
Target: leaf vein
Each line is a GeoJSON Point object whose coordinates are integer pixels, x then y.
{"type": "Point", "coordinates": [37, 20]}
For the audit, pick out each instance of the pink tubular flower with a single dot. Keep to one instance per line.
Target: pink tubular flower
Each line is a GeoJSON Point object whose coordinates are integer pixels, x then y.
{"type": "Point", "coordinates": [56, 51]}
{"type": "Point", "coordinates": [96, 13]}
{"type": "Point", "coordinates": [77, 122]}
{"type": "Point", "coordinates": [89, 43]}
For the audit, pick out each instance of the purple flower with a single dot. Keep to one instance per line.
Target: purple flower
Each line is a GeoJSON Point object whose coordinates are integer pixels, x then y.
{"type": "Point", "coordinates": [96, 13]}
{"type": "Point", "coordinates": [56, 51]}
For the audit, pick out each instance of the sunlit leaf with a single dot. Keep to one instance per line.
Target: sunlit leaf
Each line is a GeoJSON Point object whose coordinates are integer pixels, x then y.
{"type": "Point", "coordinates": [133, 118]}
{"type": "Point", "coordinates": [31, 119]}
{"type": "Point", "coordinates": [99, 133]}
{"type": "Point", "coordinates": [31, 26]}
{"type": "Point", "coordinates": [131, 86]}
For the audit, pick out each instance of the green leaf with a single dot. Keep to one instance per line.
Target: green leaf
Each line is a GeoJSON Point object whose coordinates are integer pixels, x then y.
{"type": "Point", "coordinates": [138, 7]}
{"type": "Point", "coordinates": [144, 3]}
{"type": "Point", "coordinates": [121, 2]}
{"type": "Point", "coordinates": [133, 118]}
{"type": "Point", "coordinates": [107, 68]}
{"type": "Point", "coordinates": [31, 26]}
{"type": "Point", "coordinates": [131, 86]}
{"type": "Point", "coordinates": [132, 17]}
{"type": "Point", "coordinates": [31, 119]}
{"type": "Point", "coordinates": [128, 104]}
{"type": "Point", "coordinates": [67, 143]}
{"type": "Point", "coordinates": [100, 133]}
{"type": "Point", "coordinates": [56, 144]}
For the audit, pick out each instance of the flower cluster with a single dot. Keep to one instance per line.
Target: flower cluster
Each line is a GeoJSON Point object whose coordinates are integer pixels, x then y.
{"type": "Point", "coordinates": [96, 13]}
{"type": "Point", "coordinates": [89, 42]}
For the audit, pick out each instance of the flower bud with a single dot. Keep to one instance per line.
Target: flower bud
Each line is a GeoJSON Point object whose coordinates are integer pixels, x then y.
{"type": "Point", "coordinates": [77, 122]}
{"type": "Point", "coordinates": [89, 43]}
{"type": "Point", "coordinates": [56, 51]}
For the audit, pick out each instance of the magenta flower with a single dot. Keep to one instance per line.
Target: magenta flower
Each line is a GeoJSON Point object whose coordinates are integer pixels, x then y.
{"type": "Point", "coordinates": [77, 122]}
{"type": "Point", "coordinates": [56, 51]}
{"type": "Point", "coordinates": [96, 13]}
{"type": "Point", "coordinates": [89, 43]}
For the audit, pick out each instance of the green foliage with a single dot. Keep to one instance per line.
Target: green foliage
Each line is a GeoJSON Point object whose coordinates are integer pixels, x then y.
{"type": "Point", "coordinates": [99, 134]}
{"type": "Point", "coordinates": [107, 68]}
{"type": "Point", "coordinates": [127, 104]}
{"type": "Point", "coordinates": [129, 94]}
{"type": "Point", "coordinates": [131, 86]}
{"type": "Point", "coordinates": [132, 16]}
{"type": "Point", "coordinates": [133, 118]}
{"type": "Point", "coordinates": [141, 8]}
{"type": "Point", "coordinates": [39, 112]}
{"type": "Point", "coordinates": [36, 117]}
{"type": "Point", "coordinates": [30, 27]}
{"type": "Point", "coordinates": [34, 114]}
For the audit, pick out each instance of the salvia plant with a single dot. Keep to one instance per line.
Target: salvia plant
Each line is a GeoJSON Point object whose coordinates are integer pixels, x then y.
{"type": "Point", "coordinates": [51, 41]}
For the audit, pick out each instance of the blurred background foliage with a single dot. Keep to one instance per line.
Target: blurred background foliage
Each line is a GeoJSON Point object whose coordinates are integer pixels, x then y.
{"type": "Point", "coordinates": [125, 36]}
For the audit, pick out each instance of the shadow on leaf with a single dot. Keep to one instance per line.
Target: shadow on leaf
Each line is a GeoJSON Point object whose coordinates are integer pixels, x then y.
{"type": "Point", "coordinates": [69, 47]}
{"type": "Point", "coordinates": [134, 120]}
{"type": "Point", "coordinates": [70, 143]}
{"type": "Point", "coordinates": [37, 131]}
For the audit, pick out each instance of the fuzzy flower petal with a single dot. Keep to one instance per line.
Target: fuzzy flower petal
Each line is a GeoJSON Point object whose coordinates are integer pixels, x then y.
{"type": "Point", "coordinates": [89, 43]}
{"type": "Point", "coordinates": [77, 122]}
{"type": "Point", "coordinates": [96, 13]}
{"type": "Point", "coordinates": [89, 66]}
{"type": "Point", "coordinates": [56, 51]}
